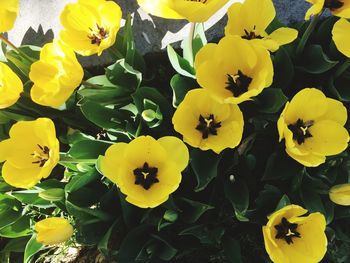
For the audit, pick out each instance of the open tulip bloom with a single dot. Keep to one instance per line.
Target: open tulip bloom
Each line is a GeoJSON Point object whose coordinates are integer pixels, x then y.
{"type": "Point", "coordinates": [10, 86]}
{"type": "Point", "coordinates": [8, 13]}
{"type": "Point", "coordinates": [339, 8]}
{"type": "Point", "coordinates": [341, 36]}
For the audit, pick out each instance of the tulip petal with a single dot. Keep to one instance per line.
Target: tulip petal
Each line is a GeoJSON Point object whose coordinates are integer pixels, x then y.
{"type": "Point", "coordinates": [341, 36]}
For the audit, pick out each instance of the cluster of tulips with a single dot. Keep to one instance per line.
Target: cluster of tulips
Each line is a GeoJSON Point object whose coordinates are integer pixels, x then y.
{"type": "Point", "coordinates": [148, 170]}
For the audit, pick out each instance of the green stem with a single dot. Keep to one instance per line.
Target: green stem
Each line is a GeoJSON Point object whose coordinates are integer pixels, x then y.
{"type": "Point", "coordinates": [116, 52]}
{"type": "Point", "coordinates": [13, 46]}
{"type": "Point", "coordinates": [139, 128]}
{"type": "Point", "coordinates": [307, 34]}
{"type": "Point", "coordinates": [342, 69]}
{"type": "Point", "coordinates": [190, 41]}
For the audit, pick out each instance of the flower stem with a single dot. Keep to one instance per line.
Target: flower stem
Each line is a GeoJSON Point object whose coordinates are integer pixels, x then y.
{"type": "Point", "coordinates": [342, 69]}
{"type": "Point", "coordinates": [13, 46]}
{"type": "Point", "coordinates": [66, 159]}
{"type": "Point", "coordinates": [307, 33]}
{"type": "Point", "coordinates": [190, 41]}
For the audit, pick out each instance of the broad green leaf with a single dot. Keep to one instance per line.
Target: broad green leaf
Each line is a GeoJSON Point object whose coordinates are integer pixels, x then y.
{"type": "Point", "coordinates": [31, 249]}
{"type": "Point", "coordinates": [88, 149]}
{"type": "Point", "coordinates": [192, 210]}
{"type": "Point", "coordinates": [20, 228]}
{"type": "Point", "coordinates": [16, 245]}
{"type": "Point", "coordinates": [123, 75]}
{"type": "Point", "coordinates": [238, 194]}
{"type": "Point", "coordinates": [283, 202]}
{"type": "Point", "coordinates": [52, 195]}
{"type": "Point", "coordinates": [271, 100]}
{"type": "Point", "coordinates": [181, 65]}
{"type": "Point", "coordinates": [180, 86]}
{"type": "Point", "coordinates": [232, 250]}
{"type": "Point", "coordinates": [80, 180]}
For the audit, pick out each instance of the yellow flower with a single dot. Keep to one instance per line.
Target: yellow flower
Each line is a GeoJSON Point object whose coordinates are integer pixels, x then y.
{"type": "Point", "coordinates": [10, 86]}
{"type": "Point", "coordinates": [339, 8]}
{"type": "Point", "coordinates": [341, 36]}
{"type": "Point", "coordinates": [291, 237]}
{"type": "Point", "coordinates": [53, 231]}
{"type": "Point", "coordinates": [312, 126]}
{"type": "Point", "coordinates": [237, 75]}
{"type": "Point", "coordinates": [8, 14]}
{"type": "Point", "coordinates": [250, 21]}
{"type": "Point", "coordinates": [207, 124]}
{"type": "Point", "coordinates": [55, 75]}
{"type": "Point", "coordinates": [89, 27]}
{"type": "Point", "coordinates": [31, 152]}
{"type": "Point", "coordinates": [340, 194]}
{"type": "Point", "coordinates": [146, 170]}
{"type": "Point", "coordinates": [193, 10]}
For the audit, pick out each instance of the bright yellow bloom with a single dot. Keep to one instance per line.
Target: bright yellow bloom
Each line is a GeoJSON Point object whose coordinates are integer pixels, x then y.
{"type": "Point", "coordinates": [340, 194]}
{"type": "Point", "coordinates": [30, 154]}
{"type": "Point", "coordinates": [89, 27]}
{"type": "Point", "coordinates": [193, 10]}
{"type": "Point", "coordinates": [56, 75]}
{"type": "Point", "coordinates": [341, 36]}
{"type": "Point", "coordinates": [8, 14]}
{"type": "Point", "coordinates": [11, 86]}
{"type": "Point", "coordinates": [292, 237]}
{"type": "Point", "coordinates": [237, 75]}
{"type": "Point", "coordinates": [312, 126]}
{"type": "Point", "coordinates": [53, 231]}
{"type": "Point", "coordinates": [146, 170]}
{"type": "Point", "coordinates": [250, 20]}
{"type": "Point", "coordinates": [207, 124]}
{"type": "Point", "coordinates": [339, 8]}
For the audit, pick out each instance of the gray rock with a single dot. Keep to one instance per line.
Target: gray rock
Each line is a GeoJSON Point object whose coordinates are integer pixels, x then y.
{"type": "Point", "coordinates": [152, 34]}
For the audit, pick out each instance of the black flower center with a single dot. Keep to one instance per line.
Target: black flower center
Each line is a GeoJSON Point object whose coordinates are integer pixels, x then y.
{"type": "Point", "coordinates": [208, 126]}
{"type": "Point", "coordinates": [251, 34]}
{"type": "Point", "coordinates": [287, 231]}
{"type": "Point", "coordinates": [238, 84]}
{"type": "Point", "coordinates": [146, 176]}
{"type": "Point", "coordinates": [300, 130]}
{"type": "Point", "coordinates": [200, 1]}
{"type": "Point", "coordinates": [41, 156]}
{"type": "Point", "coordinates": [333, 4]}
{"type": "Point", "coordinates": [97, 35]}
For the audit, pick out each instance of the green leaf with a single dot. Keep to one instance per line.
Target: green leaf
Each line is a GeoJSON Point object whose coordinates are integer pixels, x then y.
{"type": "Point", "coordinates": [192, 210]}
{"type": "Point", "coordinates": [52, 195]}
{"type": "Point", "coordinates": [10, 210]}
{"type": "Point", "coordinates": [315, 61]}
{"type": "Point", "coordinates": [165, 250]}
{"type": "Point", "coordinates": [123, 75]}
{"type": "Point", "coordinates": [19, 228]}
{"type": "Point", "coordinates": [31, 197]}
{"type": "Point", "coordinates": [283, 202]}
{"type": "Point", "coordinates": [271, 100]}
{"type": "Point", "coordinates": [80, 180]}
{"type": "Point", "coordinates": [31, 249]}
{"type": "Point", "coordinates": [16, 245]}
{"type": "Point", "coordinates": [312, 201]}
{"type": "Point", "coordinates": [88, 149]}
{"type": "Point", "coordinates": [198, 41]}
{"type": "Point", "coordinates": [180, 86]}
{"type": "Point", "coordinates": [204, 234]}
{"type": "Point", "coordinates": [238, 194]}
{"type": "Point", "coordinates": [205, 166]}
{"type": "Point", "coordinates": [104, 242]}
{"type": "Point", "coordinates": [87, 215]}
{"type": "Point", "coordinates": [232, 250]}
{"type": "Point", "coordinates": [181, 65]}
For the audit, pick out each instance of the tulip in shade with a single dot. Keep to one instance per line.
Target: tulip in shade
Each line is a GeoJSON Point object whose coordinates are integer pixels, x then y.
{"type": "Point", "coordinates": [53, 231]}
{"type": "Point", "coordinates": [291, 236]}
{"type": "Point", "coordinates": [235, 76]}
{"type": "Point", "coordinates": [250, 20]}
{"type": "Point", "coordinates": [56, 75]}
{"type": "Point", "coordinates": [8, 14]}
{"type": "Point", "coordinates": [339, 8]}
{"type": "Point", "coordinates": [193, 11]}
{"type": "Point", "coordinates": [30, 154]}
{"type": "Point", "coordinates": [208, 124]}
{"type": "Point", "coordinates": [89, 27]}
{"type": "Point", "coordinates": [146, 170]}
{"type": "Point", "coordinates": [313, 127]}
{"type": "Point", "coordinates": [340, 194]}
{"type": "Point", "coordinates": [341, 36]}
{"type": "Point", "coordinates": [10, 86]}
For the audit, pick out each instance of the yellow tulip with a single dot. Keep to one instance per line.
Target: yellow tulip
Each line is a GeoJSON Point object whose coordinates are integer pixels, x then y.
{"type": "Point", "coordinates": [237, 75]}
{"type": "Point", "coordinates": [8, 14]}
{"type": "Point", "coordinates": [208, 124]}
{"type": "Point", "coordinates": [146, 170]}
{"type": "Point", "coordinates": [312, 126]}
{"type": "Point", "coordinates": [341, 36]}
{"type": "Point", "coordinates": [339, 8]}
{"type": "Point", "coordinates": [250, 20]}
{"type": "Point", "coordinates": [89, 27]}
{"type": "Point", "coordinates": [56, 75]}
{"type": "Point", "coordinates": [11, 86]}
{"type": "Point", "coordinates": [340, 194]}
{"type": "Point", "coordinates": [292, 237]}
{"type": "Point", "coordinates": [53, 231]}
{"type": "Point", "coordinates": [193, 11]}
{"type": "Point", "coordinates": [30, 154]}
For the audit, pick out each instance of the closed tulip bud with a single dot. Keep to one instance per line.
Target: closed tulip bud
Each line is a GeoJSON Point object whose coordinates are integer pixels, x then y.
{"type": "Point", "coordinates": [340, 194]}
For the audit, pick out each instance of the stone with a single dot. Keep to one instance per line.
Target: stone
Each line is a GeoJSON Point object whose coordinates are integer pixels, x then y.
{"type": "Point", "coordinates": [152, 34]}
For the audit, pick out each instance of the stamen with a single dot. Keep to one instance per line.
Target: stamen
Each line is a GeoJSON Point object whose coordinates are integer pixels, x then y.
{"type": "Point", "coordinates": [146, 176]}
{"type": "Point", "coordinates": [287, 231]}
{"type": "Point", "coordinates": [300, 130]}
{"type": "Point", "coordinates": [238, 84]}
{"type": "Point", "coordinates": [208, 126]}
{"type": "Point", "coordinates": [42, 156]}
{"type": "Point", "coordinates": [249, 35]}
{"type": "Point", "coordinates": [98, 35]}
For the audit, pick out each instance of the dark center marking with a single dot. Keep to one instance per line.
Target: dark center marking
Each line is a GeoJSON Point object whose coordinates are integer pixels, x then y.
{"type": "Point", "coordinates": [300, 130]}
{"type": "Point", "coordinates": [287, 231]}
{"type": "Point", "coordinates": [146, 176]}
{"type": "Point", "coordinates": [98, 35]}
{"type": "Point", "coordinates": [208, 126]}
{"type": "Point", "coordinates": [238, 84]}
{"type": "Point", "coordinates": [41, 156]}
{"type": "Point", "coordinates": [251, 34]}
